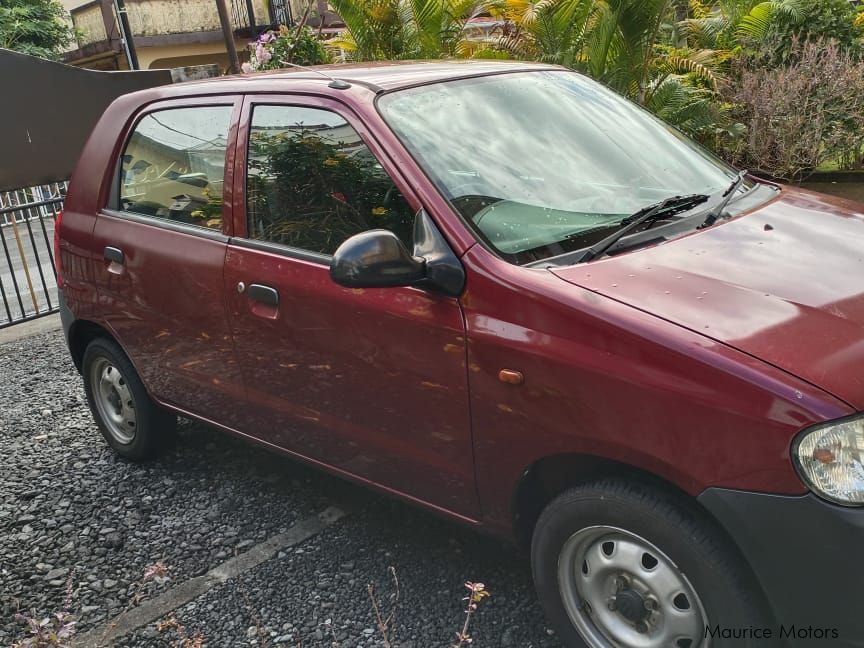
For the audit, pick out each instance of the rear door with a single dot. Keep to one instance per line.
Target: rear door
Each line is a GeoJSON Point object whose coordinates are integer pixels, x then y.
{"type": "Point", "coordinates": [371, 382]}
{"type": "Point", "coordinates": [163, 238]}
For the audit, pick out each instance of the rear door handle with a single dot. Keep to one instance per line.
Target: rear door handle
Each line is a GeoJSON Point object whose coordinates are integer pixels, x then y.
{"type": "Point", "coordinates": [264, 294]}
{"type": "Point", "coordinates": [114, 255]}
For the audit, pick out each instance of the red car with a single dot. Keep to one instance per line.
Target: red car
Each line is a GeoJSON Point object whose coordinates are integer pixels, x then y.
{"type": "Point", "coordinates": [502, 292]}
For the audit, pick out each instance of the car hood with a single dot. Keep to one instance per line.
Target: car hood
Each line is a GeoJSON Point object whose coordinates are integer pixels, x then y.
{"type": "Point", "coordinates": [784, 283]}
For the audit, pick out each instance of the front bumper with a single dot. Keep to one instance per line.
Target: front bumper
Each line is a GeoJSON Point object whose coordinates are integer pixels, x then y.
{"type": "Point", "coordinates": [807, 555]}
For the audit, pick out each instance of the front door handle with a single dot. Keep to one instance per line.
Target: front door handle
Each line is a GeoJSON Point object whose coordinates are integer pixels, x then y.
{"type": "Point", "coordinates": [113, 254]}
{"type": "Point", "coordinates": [264, 294]}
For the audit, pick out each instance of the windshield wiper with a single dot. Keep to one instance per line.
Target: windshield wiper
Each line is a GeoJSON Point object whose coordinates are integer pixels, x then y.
{"type": "Point", "coordinates": [717, 211]}
{"type": "Point", "coordinates": [644, 215]}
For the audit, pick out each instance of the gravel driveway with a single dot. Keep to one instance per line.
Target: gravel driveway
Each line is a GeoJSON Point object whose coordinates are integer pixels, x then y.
{"type": "Point", "coordinates": [72, 513]}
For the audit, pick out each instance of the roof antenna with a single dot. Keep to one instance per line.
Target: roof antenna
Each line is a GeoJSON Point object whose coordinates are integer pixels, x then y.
{"type": "Point", "coordinates": [336, 84]}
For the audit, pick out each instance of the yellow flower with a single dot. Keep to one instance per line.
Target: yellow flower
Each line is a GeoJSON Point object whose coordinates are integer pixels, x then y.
{"type": "Point", "coordinates": [380, 211]}
{"type": "Point", "coordinates": [197, 214]}
{"type": "Point", "coordinates": [330, 162]}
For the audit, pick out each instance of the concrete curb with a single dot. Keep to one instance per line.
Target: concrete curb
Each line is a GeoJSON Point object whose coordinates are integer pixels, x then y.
{"type": "Point", "coordinates": [33, 327]}
{"type": "Point", "coordinates": [184, 592]}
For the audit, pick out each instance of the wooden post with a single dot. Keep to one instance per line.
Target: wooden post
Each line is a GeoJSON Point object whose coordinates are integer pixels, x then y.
{"type": "Point", "coordinates": [228, 34]}
{"type": "Point", "coordinates": [126, 35]}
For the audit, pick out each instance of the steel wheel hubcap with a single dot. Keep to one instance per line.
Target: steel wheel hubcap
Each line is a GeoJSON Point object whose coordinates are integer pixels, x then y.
{"type": "Point", "coordinates": [620, 590]}
{"type": "Point", "coordinates": [114, 400]}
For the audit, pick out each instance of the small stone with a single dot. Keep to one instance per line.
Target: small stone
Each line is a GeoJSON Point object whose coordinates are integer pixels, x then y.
{"type": "Point", "coordinates": [54, 574]}
{"type": "Point", "coordinates": [114, 540]}
{"type": "Point", "coordinates": [109, 584]}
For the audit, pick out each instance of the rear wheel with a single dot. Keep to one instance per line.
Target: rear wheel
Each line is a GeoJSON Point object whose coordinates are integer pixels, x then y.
{"type": "Point", "coordinates": [622, 564]}
{"type": "Point", "coordinates": [129, 420]}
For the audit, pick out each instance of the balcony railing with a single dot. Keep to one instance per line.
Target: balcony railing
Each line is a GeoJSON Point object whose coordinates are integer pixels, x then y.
{"type": "Point", "coordinates": [250, 18]}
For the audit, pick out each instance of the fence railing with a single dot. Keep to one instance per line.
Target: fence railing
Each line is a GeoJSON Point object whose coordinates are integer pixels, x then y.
{"type": "Point", "coordinates": [28, 280]}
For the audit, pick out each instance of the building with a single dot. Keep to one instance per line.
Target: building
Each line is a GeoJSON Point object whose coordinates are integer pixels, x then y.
{"type": "Point", "coordinates": [176, 33]}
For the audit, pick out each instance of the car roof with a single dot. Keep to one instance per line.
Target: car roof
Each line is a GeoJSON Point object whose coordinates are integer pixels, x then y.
{"type": "Point", "coordinates": [381, 76]}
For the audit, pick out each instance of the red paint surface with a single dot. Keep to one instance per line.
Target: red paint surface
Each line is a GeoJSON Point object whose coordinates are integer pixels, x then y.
{"type": "Point", "coordinates": [399, 387]}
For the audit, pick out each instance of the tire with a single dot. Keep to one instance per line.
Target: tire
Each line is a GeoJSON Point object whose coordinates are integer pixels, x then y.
{"type": "Point", "coordinates": [658, 571]}
{"type": "Point", "coordinates": [132, 424]}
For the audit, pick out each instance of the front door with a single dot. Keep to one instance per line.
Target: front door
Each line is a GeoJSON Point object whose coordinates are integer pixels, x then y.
{"type": "Point", "coordinates": [370, 382]}
{"type": "Point", "coordinates": [163, 243]}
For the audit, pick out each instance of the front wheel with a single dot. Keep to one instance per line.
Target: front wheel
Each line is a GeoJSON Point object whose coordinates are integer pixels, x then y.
{"type": "Point", "coordinates": [132, 424]}
{"type": "Point", "coordinates": [621, 564]}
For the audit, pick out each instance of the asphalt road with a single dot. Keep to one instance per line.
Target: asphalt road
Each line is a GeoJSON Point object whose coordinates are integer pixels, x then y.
{"type": "Point", "coordinates": [239, 530]}
{"type": "Point", "coordinates": [36, 244]}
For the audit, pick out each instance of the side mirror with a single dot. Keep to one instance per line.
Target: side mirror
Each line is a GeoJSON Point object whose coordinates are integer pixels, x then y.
{"type": "Point", "coordinates": [375, 259]}
{"type": "Point", "coordinates": [378, 259]}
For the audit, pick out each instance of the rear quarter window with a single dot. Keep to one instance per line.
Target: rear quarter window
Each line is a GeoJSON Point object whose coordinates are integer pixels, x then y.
{"type": "Point", "coordinates": [173, 166]}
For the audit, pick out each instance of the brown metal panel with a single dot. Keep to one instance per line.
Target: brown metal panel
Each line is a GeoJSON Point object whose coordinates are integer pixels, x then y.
{"type": "Point", "coordinates": [48, 112]}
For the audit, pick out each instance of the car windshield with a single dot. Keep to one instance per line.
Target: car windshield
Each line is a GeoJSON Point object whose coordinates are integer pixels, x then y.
{"type": "Point", "coordinates": [543, 163]}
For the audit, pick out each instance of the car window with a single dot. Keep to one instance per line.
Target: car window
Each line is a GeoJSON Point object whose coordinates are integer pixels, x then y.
{"type": "Point", "coordinates": [534, 188]}
{"type": "Point", "coordinates": [312, 182]}
{"type": "Point", "coordinates": [174, 165]}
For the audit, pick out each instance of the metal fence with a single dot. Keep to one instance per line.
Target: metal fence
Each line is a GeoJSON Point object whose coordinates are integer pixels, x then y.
{"type": "Point", "coordinates": [28, 279]}
{"type": "Point", "coordinates": [246, 20]}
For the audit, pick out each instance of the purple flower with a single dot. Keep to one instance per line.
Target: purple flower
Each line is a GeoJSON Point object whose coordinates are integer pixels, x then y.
{"type": "Point", "coordinates": [247, 68]}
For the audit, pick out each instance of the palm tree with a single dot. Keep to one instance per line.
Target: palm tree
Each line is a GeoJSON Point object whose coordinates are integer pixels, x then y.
{"type": "Point", "coordinates": [403, 29]}
{"type": "Point", "coordinates": [630, 45]}
{"type": "Point", "coordinates": [619, 42]}
{"type": "Point", "coordinates": [728, 25]}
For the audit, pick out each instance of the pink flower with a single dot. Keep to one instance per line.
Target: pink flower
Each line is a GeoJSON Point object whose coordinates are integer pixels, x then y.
{"type": "Point", "coordinates": [247, 68]}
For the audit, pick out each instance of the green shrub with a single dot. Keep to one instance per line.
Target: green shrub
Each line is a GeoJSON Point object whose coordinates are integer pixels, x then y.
{"type": "Point", "coordinates": [278, 49]}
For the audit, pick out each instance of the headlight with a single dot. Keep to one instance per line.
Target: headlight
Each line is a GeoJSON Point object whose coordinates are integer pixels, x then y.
{"type": "Point", "coordinates": [830, 459]}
